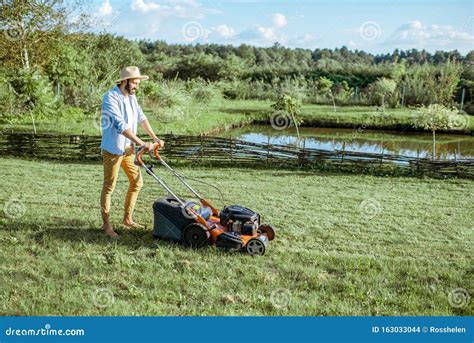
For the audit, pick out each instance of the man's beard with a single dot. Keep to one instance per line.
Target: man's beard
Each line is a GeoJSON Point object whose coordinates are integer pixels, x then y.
{"type": "Point", "coordinates": [129, 90]}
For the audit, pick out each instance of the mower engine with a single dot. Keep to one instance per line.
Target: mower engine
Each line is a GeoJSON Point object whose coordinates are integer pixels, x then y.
{"type": "Point", "coordinates": [240, 220]}
{"type": "Point", "coordinates": [242, 230]}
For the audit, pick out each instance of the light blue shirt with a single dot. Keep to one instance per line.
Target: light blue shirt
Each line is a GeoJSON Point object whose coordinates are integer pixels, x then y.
{"type": "Point", "coordinates": [117, 117]}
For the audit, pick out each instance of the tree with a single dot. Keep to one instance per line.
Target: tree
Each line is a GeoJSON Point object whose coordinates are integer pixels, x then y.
{"type": "Point", "coordinates": [233, 68]}
{"type": "Point", "coordinates": [33, 93]}
{"type": "Point", "coordinates": [469, 59]}
{"type": "Point", "coordinates": [68, 64]}
{"type": "Point", "coordinates": [325, 88]}
{"type": "Point", "coordinates": [343, 92]}
{"type": "Point", "coordinates": [109, 53]}
{"type": "Point", "coordinates": [443, 81]}
{"type": "Point", "coordinates": [30, 27]}
{"type": "Point", "coordinates": [429, 84]}
{"type": "Point", "coordinates": [329, 65]}
{"type": "Point", "coordinates": [32, 30]}
{"type": "Point", "coordinates": [383, 87]}
{"type": "Point", "coordinates": [435, 117]}
{"type": "Point", "coordinates": [289, 106]}
{"type": "Point", "coordinates": [200, 65]}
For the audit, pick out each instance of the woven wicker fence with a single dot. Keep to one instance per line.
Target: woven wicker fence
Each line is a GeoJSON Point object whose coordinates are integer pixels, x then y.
{"type": "Point", "coordinates": [217, 151]}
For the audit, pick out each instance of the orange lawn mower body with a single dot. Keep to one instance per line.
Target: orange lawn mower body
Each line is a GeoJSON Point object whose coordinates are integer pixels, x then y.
{"type": "Point", "coordinates": [200, 224]}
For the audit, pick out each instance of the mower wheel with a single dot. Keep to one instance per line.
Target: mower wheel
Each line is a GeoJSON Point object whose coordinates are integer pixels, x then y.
{"type": "Point", "coordinates": [255, 247]}
{"type": "Point", "coordinates": [196, 235]}
{"type": "Point", "coordinates": [267, 230]}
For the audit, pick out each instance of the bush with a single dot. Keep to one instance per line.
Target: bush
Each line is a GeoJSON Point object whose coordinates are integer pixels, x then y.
{"type": "Point", "coordinates": [73, 113]}
{"type": "Point", "coordinates": [7, 98]}
{"type": "Point", "coordinates": [204, 92]}
{"type": "Point", "coordinates": [152, 91]}
{"type": "Point", "coordinates": [235, 89]}
{"type": "Point", "coordinates": [172, 94]}
{"type": "Point", "coordinates": [294, 87]}
{"type": "Point", "coordinates": [33, 92]}
{"type": "Point", "coordinates": [382, 90]}
{"type": "Point", "coordinates": [428, 84]}
{"type": "Point", "coordinates": [261, 90]}
{"type": "Point", "coordinates": [342, 93]}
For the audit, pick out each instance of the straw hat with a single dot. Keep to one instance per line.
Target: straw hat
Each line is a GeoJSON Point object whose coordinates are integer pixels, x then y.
{"type": "Point", "coordinates": [131, 73]}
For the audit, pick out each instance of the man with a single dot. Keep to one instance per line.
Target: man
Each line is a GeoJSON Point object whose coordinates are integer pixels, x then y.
{"type": "Point", "coordinates": [121, 115]}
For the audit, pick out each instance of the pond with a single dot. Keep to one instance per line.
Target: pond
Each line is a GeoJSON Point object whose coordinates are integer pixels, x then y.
{"type": "Point", "coordinates": [413, 144]}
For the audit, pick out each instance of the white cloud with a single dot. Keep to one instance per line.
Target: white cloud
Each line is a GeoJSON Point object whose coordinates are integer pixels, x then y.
{"type": "Point", "coordinates": [412, 25]}
{"type": "Point", "coordinates": [416, 35]}
{"type": "Point", "coordinates": [144, 7]}
{"type": "Point", "coordinates": [305, 40]}
{"type": "Point", "coordinates": [171, 8]}
{"type": "Point", "coordinates": [224, 31]}
{"type": "Point", "coordinates": [148, 18]}
{"type": "Point", "coordinates": [279, 20]}
{"type": "Point", "coordinates": [105, 9]}
{"type": "Point", "coordinates": [266, 35]}
{"type": "Point", "coordinates": [260, 35]}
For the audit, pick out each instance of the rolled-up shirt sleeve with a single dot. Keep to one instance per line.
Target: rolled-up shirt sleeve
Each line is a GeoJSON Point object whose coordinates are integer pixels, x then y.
{"type": "Point", "coordinates": [111, 114]}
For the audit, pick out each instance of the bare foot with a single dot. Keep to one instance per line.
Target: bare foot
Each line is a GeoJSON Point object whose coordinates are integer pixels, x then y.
{"type": "Point", "coordinates": [109, 231]}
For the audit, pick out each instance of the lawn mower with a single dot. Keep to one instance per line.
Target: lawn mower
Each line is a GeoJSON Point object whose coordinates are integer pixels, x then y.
{"type": "Point", "coordinates": [197, 225]}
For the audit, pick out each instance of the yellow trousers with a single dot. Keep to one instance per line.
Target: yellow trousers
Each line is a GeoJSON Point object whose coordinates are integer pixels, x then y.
{"type": "Point", "coordinates": [112, 164]}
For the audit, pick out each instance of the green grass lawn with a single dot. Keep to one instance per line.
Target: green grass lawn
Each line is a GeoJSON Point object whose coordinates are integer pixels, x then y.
{"type": "Point", "coordinates": [346, 245]}
{"type": "Point", "coordinates": [197, 118]}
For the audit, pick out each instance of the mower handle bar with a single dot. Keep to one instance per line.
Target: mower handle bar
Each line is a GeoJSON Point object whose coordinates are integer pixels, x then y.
{"type": "Point", "coordinates": [138, 157]}
{"type": "Point", "coordinates": [154, 154]}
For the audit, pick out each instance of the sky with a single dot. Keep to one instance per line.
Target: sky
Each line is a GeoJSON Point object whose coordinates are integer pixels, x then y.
{"type": "Point", "coordinates": [373, 26]}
